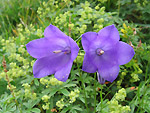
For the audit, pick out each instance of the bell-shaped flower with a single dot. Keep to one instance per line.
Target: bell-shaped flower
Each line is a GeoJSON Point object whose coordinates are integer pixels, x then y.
{"type": "Point", "coordinates": [104, 53]}
{"type": "Point", "coordinates": [55, 54]}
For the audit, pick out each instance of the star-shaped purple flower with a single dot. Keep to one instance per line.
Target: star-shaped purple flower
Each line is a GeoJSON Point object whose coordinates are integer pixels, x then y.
{"type": "Point", "coordinates": [55, 54]}
{"type": "Point", "coordinates": [104, 53]}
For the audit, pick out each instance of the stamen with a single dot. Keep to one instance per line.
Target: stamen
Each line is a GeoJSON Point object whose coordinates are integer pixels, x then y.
{"type": "Point", "coordinates": [57, 51]}
{"type": "Point", "coordinates": [66, 50]}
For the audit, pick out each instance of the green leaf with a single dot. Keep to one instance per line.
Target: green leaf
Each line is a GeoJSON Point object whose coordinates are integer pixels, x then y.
{"type": "Point", "coordinates": [36, 110]}
{"type": "Point", "coordinates": [65, 92]}
{"type": "Point", "coordinates": [82, 99]}
{"type": "Point", "coordinates": [36, 82]}
{"type": "Point", "coordinates": [11, 107]}
{"type": "Point", "coordinates": [65, 110]}
{"type": "Point", "coordinates": [77, 107]}
{"type": "Point", "coordinates": [52, 92]}
{"type": "Point", "coordinates": [69, 85]}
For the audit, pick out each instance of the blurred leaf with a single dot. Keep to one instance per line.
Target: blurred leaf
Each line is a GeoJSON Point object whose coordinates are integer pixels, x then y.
{"type": "Point", "coordinates": [36, 110]}
{"type": "Point", "coordinates": [65, 92]}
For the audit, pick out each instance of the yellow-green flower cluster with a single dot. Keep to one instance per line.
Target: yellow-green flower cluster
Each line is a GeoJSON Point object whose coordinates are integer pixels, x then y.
{"type": "Point", "coordinates": [139, 3]}
{"type": "Point", "coordinates": [9, 45]}
{"type": "Point", "coordinates": [119, 82]}
{"type": "Point", "coordinates": [12, 87]}
{"type": "Point", "coordinates": [102, 1]}
{"type": "Point", "coordinates": [77, 22]}
{"type": "Point", "coordinates": [135, 77]}
{"type": "Point", "coordinates": [39, 32]}
{"type": "Point", "coordinates": [50, 81]}
{"type": "Point", "coordinates": [79, 58]}
{"type": "Point", "coordinates": [60, 103]}
{"type": "Point", "coordinates": [115, 107]}
{"type": "Point", "coordinates": [15, 72]}
{"type": "Point", "coordinates": [45, 98]}
{"type": "Point", "coordinates": [2, 74]}
{"type": "Point", "coordinates": [47, 8]}
{"type": "Point", "coordinates": [72, 98]}
{"type": "Point", "coordinates": [54, 81]}
{"type": "Point", "coordinates": [46, 106]}
{"type": "Point", "coordinates": [120, 96]}
{"type": "Point", "coordinates": [22, 50]}
{"type": "Point", "coordinates": [28, 93]}
{"type": "Point", "coordinates": [17, 63]}
{"type": "Point", "coordinates": [73, 95]}
{"type": "Point", "coordinates": [127, 31]}
{"type": "Point", "coordinates": [24, 34]}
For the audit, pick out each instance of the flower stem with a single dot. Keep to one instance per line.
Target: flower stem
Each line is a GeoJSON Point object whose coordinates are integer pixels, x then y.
{"type": "Point", "coordinates": [101, 98]}
{"type": "Point", "coordinates": [84, 95]}
{"type": "Point", "coordinates": [51, 104]}
{"type": "Point", "coordinates": [78, 39]}
{"type": "Point", "coordinates": [118, 7]}
{"type": "Point", "coordinates": [82, 83]}
{"type": "Point", "coordinates": [94, 92]}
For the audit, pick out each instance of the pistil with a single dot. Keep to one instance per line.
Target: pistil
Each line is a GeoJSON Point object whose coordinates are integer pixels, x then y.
{"type": "Point", "coordinates": [99, 51]}
{"type": "Point", "coordinates": [66, 50]}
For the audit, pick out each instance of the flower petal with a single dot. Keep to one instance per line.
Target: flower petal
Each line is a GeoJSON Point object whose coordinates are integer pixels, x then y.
{"type": "Point", "coordinates": [49, 65]}
{"type": "Point", "coordinates": [52, 31]}
{"type": "Point", "coordinates": [87, 39]}
{"type": "Point", "coordinates": [44, 47]}
{"type": "Point", "coordinates": [108, 36]}
{"type": "Point", "coordinates": [74, 49]}
{"type": "Point", "coordinates": [63, 73]}
{"type": "Point", "coordinates": [109, 72]}
{"type": "Point", "coordinates": [107, 64]}
{"type": "Point", "coordinates": [87, 65]}
{"type": "Point", "coordinates": [125, 52]}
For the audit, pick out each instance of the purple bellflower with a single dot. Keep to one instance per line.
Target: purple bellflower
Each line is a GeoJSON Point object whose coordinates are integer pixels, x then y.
{"type": "Point", "coordinates": [104, 53]}
{"type": "Point", "coordinates": [55, 54]}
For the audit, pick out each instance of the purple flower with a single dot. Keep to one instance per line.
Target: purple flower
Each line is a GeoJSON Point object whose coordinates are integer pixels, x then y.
{"type": "Point", "coordinates": [104, 53]}
{"type": "Point", "coordinates": [55, 54]}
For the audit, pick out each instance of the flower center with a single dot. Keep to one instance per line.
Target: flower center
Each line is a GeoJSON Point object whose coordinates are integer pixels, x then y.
{"type": "Point", "coordinates": [99, 51]}
{"type": "Point", "coordinates": [66, 50]}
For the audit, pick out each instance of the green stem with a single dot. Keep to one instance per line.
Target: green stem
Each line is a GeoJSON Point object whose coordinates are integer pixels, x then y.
{"type": "Point", "coordinates": [118, 7]}
{"type": "Point", "coordinates": [101, 98]}
{"type": "Point", "coordinates": [83, 87]}
{"type": "Point", "coordinates": [147, 70]}
{"type": "Point", "coordinates": [51, 103]}
{"type": "Point", "coordinates": [94, 93]}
